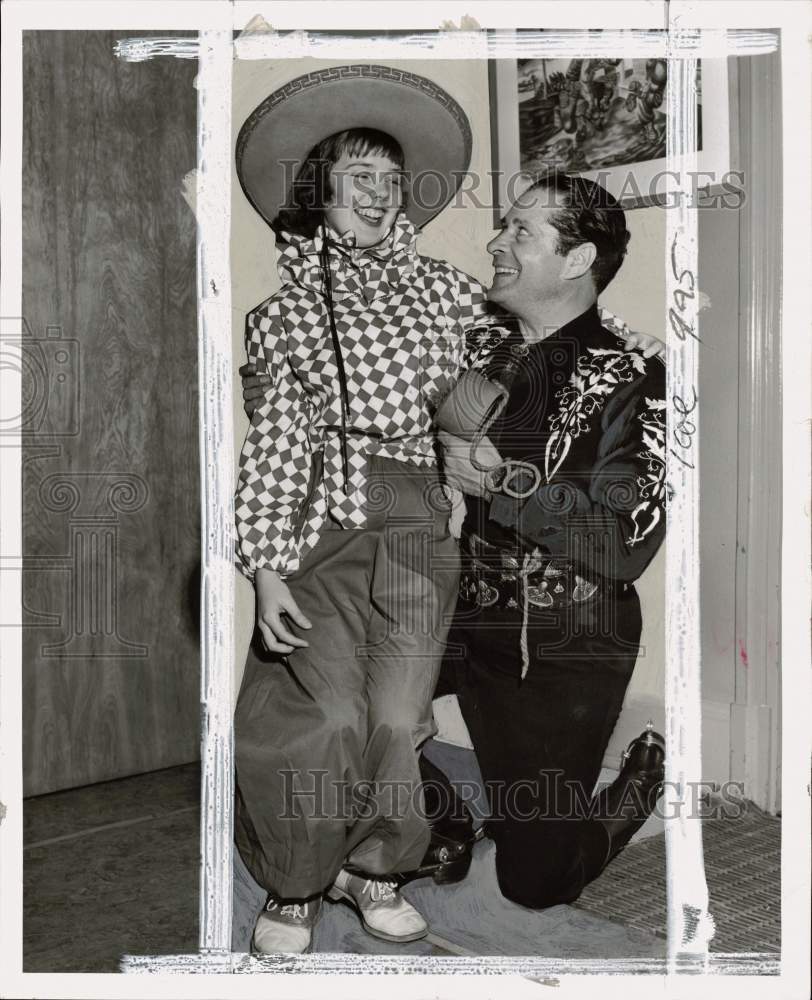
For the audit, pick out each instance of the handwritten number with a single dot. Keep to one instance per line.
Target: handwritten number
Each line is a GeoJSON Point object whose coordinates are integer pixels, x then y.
{"type": "Point", "coordinates": [681, 275]}
{"type": "Point", "coordinates": [679, 326]}
{"type": "Point", "coordinates": [680, 296]}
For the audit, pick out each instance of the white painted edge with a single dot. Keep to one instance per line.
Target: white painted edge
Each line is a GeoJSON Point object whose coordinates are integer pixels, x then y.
{"type": "Point", "coordinates": [796, 477]}
{"type": "Point", "coordinates": [738, 964]}
{"type": "Point", "coordinates": [500, 44]}
{"type": "Point", "coordinates": [216, 485]}
{"type": "Point", "coordinates": [690, 926]}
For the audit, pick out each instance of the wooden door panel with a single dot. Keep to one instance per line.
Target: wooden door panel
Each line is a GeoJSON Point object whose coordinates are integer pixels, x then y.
{"type": "Point", "coordinates": [111, 494]}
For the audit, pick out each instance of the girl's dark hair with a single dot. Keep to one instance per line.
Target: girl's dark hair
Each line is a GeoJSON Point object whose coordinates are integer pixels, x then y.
{"type": "Point", "coordinates": [589, 214]}
{"type": "Point", "coordinates": [310, 192]}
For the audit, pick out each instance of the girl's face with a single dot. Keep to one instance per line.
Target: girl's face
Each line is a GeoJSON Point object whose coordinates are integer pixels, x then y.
{"type": "Point", "coordinates": [367, 196]}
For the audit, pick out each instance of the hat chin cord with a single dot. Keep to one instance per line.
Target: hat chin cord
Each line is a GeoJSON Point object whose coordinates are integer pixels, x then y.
{"type": "Point", "coordinates": [498, 477]}
{"type": "Point", "coordinates": [342, 375]}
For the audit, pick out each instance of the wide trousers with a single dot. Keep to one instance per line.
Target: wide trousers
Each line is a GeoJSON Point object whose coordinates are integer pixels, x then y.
{"type": "Point", "coordinates": [540, 741]}
{"type": "Point", "coordinates": [326, 737]}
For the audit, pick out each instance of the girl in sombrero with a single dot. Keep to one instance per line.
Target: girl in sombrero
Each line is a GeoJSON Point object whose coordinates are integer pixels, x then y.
{"type": "Point", "coordinates": [341, 517]}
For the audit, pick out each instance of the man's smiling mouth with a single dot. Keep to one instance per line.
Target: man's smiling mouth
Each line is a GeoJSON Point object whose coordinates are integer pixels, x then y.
{"type": "Point", "coordinates": [504, 271]}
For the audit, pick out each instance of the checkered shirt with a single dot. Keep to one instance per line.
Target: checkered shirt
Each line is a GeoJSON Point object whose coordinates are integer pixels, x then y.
{"type": "Point", "coordinates": [401, 321]}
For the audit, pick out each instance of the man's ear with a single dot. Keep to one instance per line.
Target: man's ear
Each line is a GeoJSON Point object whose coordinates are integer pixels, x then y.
{"type": "Point", "coordinates": [579, 261]}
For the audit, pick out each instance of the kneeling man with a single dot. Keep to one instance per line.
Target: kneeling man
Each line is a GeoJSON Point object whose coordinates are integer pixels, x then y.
{"type": "Point", "coordinates": [548, 624]}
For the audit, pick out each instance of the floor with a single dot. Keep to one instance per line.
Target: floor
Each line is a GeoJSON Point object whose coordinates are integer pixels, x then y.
{"type": "Point", "coordinates": [112, 869]}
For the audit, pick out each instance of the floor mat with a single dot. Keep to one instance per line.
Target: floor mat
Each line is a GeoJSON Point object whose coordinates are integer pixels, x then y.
{"type": "Point", "coordinates": [743, 869]}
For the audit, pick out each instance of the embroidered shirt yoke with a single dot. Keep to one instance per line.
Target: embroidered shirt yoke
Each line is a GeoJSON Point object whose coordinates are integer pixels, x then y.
{"type": "Point", "coordinates": [590, 415]}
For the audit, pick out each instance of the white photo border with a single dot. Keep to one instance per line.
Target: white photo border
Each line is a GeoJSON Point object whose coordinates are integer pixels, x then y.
{"type": "Point", "coordinates": [217, 737]}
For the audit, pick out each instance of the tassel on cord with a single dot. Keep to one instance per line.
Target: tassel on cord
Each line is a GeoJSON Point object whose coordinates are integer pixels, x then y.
{"type": "Point", "coordinates": [525, 613]}
{"type": "Point", "coordinates": [342, 375]}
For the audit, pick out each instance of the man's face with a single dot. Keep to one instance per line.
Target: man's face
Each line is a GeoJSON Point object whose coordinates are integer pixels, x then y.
{"type": "Point", "coordinates": [527, 269]}
{"type": "Point", "coordinates": [367, 196]}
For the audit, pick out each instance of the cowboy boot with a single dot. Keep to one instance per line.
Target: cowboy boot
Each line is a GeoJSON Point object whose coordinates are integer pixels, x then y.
{"type": "Point", "coordinates": [627, 803]}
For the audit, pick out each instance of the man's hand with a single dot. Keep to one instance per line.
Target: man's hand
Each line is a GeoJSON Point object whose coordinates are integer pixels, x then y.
{"type": "Point", "coordinates": [254, 387]}
{"type": "Point", "coordinates": [274, 599]}
{"type": "Point", "coordinates": [650, 346]}
{"type": "Point", "coordinates": [457, 463]}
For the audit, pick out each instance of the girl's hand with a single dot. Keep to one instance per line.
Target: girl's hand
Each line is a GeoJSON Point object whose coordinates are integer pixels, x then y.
{"type": "Point", "coordinates": [650, 346]}
{"type": "Point", "coordinates": [274, 600]}
{"type": "Point", "coordinates": [254, 387]}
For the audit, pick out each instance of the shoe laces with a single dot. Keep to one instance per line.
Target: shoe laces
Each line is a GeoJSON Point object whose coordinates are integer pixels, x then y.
{"type": "Point", "coordinates": [381, 891]}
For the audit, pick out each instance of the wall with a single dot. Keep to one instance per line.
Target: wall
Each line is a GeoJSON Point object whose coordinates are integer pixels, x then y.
{"type": "Point", "coordinates": [637, 294]}
{"type": "Point", "coordinates": [460, 236]}
{"type": "Point", "coordinates": [111, 495]}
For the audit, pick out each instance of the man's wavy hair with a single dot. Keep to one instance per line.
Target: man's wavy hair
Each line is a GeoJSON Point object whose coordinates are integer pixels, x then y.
{"type": "Point", "coordinates": [589, 215]}
{"type": "Point", "coordinates": [310, 192]}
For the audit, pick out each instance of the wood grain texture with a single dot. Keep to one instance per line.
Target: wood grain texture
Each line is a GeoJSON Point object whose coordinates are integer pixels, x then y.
{"type": "Point", "coordinates": [111, 493]}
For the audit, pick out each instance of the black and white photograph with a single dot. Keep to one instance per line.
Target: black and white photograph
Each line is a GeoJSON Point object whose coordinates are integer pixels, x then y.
{"type": "Point", "coordinates": [405, 431]}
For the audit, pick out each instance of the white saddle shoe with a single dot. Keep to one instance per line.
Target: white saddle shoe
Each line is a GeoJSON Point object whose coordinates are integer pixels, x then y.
{"type": "Point", "coordinates": [383, 911]}
{"type": "Point", "coordinates": [285, 928]}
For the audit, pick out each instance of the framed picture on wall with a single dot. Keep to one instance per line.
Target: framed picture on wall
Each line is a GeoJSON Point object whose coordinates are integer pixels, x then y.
{"type": "Point", "coordinates": [604, 119]}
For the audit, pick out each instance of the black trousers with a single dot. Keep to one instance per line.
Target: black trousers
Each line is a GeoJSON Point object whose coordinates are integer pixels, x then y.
{"type": "Point", "coordinates": [540, 741]}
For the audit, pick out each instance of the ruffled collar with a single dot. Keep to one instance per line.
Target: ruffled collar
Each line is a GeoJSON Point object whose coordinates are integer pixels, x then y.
{"type": "Point", "coordinates": [367, 271]}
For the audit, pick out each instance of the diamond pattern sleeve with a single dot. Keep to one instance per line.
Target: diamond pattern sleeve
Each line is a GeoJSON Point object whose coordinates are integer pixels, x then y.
{"type": "Point", "coordinates": [484, 327]}
{"type": "Point", "coordinates": [276, 456]}
{"type": "Point", "coordinates": [472, 299]}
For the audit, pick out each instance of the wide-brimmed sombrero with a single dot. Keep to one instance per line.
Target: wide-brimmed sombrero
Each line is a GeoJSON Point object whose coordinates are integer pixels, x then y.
{"type": "Point", "coordinates": [429, 124]}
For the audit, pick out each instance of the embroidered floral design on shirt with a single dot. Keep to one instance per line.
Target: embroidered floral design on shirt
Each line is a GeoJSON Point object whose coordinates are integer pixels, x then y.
{"type": "Point", "coordinates": [651, 484]}
{"type": "Point", "coordinates": [595, 378]}
{"type": "Point", "coordinates": [481, 340]}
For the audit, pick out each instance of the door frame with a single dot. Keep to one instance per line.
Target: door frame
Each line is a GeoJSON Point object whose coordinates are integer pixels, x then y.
{"type": "Point", "coordinates": [755, 721]}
